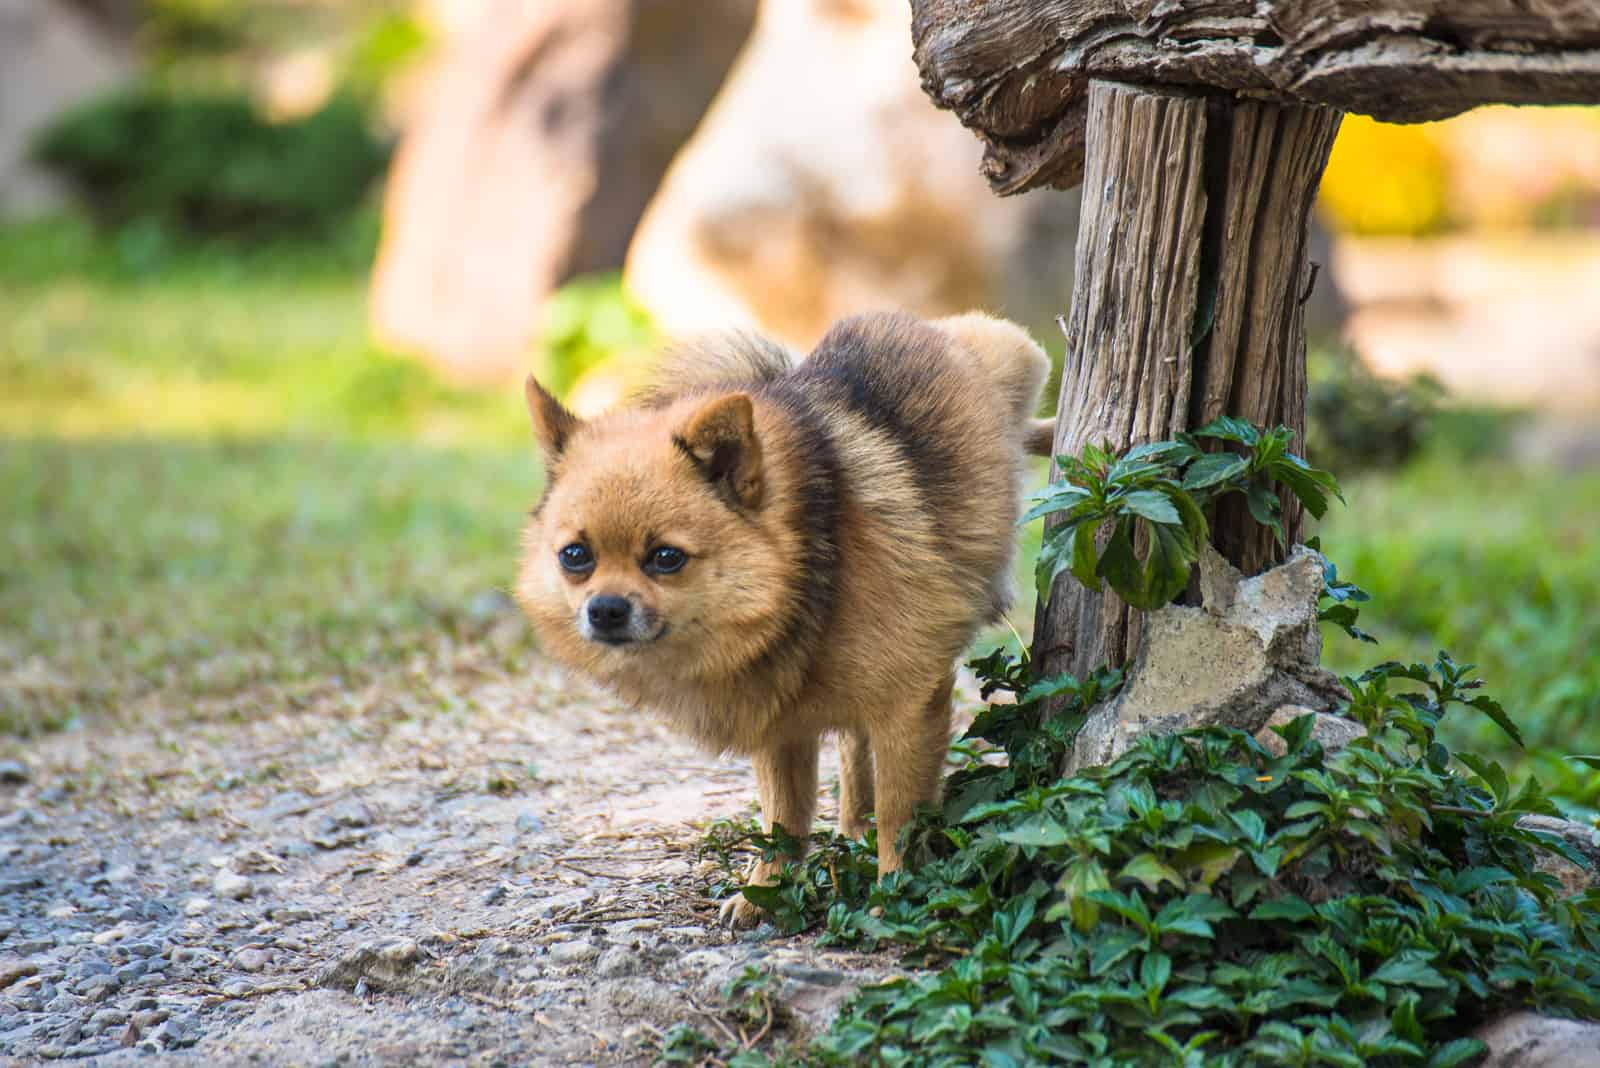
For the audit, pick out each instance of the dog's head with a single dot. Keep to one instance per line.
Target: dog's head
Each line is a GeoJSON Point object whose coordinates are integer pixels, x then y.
{"type": "Point", "coordinates": [651, 549]}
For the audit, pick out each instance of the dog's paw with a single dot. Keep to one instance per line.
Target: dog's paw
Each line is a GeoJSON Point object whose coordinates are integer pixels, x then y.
{"type": "Point", "coordinates": [739, 913]}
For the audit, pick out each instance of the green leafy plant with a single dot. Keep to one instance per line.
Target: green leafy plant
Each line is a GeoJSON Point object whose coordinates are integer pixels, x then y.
{"type": "Point", "coordinates": [1205, 900]}
{"type": "Point", "coordinates": [1339, 600]}
{"type": "Point", "coordinates": [750, 1015]}
{"type": "Point", "coordinates": [1160, 494]}
{"type": "Point", "coordinates": [205, 163]}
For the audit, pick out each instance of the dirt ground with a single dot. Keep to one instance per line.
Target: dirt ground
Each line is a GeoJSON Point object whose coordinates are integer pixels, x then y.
{"type": "Point", "coordinates": [485, 869]}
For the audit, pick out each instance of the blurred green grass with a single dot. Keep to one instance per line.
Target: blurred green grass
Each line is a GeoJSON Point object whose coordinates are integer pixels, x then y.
{"type": "Point", "coordinates": [1499, 564]}
{"type": "Point", "coordinates": [218, 494]}
{"type": "Point", "coordinates": [222, 499]}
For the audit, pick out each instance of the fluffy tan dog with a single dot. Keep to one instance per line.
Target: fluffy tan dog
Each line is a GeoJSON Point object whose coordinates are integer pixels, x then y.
{"type": "Point", "coordinates": [767, 550]}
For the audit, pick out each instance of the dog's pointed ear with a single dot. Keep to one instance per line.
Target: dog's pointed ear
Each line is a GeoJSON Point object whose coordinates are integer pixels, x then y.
{"type": "Point", "coordinates": [720, 438]}
{"type": "Point", "coordinates": [552, 423]}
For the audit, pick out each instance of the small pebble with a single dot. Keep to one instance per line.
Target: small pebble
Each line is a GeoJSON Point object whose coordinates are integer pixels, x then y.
{"type": "Point", "coordinates": [197, 906]}
{"type": "Point", "coordinates": [252, 960]}
{"type": "Point", "coordinates": [616, 962]}
{"type": "Point", "coordinates": [13, 772]}
{"type": "Point", "coordinates": [99, 987]}
{"type": "Point", "coordinates": [571, 953]}
{"type": "Point", "coordinates": [232, 885]}
{"type": "Point", "coordinates": [12, 970]}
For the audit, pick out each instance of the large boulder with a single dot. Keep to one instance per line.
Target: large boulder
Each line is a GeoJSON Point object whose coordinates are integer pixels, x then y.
{"type": "Point", "coordinates": [823, 182]}
{"type": "Point", "coordinates": [1252, 647]}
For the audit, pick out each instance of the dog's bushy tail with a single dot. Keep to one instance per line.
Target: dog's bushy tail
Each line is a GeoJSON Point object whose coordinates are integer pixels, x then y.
{"type": "Point", "coordinates": [1014, 364]}
{"type": "Point", "coordinates": [735, 359]}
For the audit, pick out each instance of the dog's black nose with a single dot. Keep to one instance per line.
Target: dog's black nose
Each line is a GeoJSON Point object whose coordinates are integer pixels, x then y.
{"type": "Point", "coordinates": [609, 613]}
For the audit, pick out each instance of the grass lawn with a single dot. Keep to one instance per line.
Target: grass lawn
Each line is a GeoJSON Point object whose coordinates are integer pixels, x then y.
{"type": "Point", "coordinates": [218, 494]}
{"type": "Point", "coordinates": [1501, 566]}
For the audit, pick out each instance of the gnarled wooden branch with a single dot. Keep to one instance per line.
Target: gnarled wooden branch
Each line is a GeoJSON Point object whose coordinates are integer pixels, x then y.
{"type": "Point", "coordinates": [1017, 71]}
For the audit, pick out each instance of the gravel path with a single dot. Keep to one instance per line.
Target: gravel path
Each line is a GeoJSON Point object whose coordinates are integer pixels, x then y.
{"type": "Point", "coordinates": [466, 868]}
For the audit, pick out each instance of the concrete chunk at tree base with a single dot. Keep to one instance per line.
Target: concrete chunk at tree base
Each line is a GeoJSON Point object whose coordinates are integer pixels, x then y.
{"type": "Point", "coordinates": [1251, 647]}
{"type": "Point", "coordinates": [823, 183]}
{"type": "Point", "coordinates": [1526, 1040]}
{"type": "Point", "coordinates": [1331, 731]}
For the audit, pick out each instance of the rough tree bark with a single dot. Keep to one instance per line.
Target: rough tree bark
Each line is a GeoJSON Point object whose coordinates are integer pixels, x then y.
{"type": "Point", "coordinates": [1191, 269]}
{"type": "Point", "coordinates": [1018, 73]}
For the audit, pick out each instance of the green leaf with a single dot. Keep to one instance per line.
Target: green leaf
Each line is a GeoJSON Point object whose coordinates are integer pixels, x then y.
{"type": "Point", "coordinates": [1492, 774]}
{"type": "Point", "coordinates": [1288, 907]}
{"type": "Point", "coordinates": [1120, 567]}
{"type": "Point", "coordinates": [1170, 452]}
{"type": "Point", "coordinates": [1265, 507]}
{"type": "Point", "coordinates": [1167, 569]}
{"type": "Point", "coordinates": [1152, 505]}
{"type": "Point", "coordinates": [1457, 1052]}
{"type": "Point", "coordinates": [1586, 760]}
{"type": "Point", "coordinates": [1083, 877]}
{"type": "Point", "coordinates": [1214, 468]}
{"type": "Point", "coordinates": [1148, 869]}
{"type": "Point", "coordinates": [1228, 428]}
{"type": "Point", "coordinates": [1059, 497]}
{"type": "Point", "coordinates": [1206, 862]}
{"type": "Point", "coordinates": [1410, 968]}
{"type": "Point", "coordinates": [1112, 946]}
{"type": "Point", "coordinates": [1085, 559]}
{"type": "Point", "coordinates": [1069, 547]}
{"type": "Point", "coordinates": [1052, 686]}
{"type": "Point", "coordinates": [1039, 833]}
{"type": "Point", "coordinates": [1491, 708]}
{"type": "Point", "coordinates": [1194, 520]}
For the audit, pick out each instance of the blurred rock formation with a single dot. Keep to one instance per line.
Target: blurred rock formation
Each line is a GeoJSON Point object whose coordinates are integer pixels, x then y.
{"type": "Point", "coordinates": [823, 182]}
{"type": "Point", "coordinates": [542, 136]}
{"type": "Point", "coordinates": [54, 55]}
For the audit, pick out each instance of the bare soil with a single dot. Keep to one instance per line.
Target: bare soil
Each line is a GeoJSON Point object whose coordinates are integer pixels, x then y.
{"type": "Point", "coordinates": [464, 867]}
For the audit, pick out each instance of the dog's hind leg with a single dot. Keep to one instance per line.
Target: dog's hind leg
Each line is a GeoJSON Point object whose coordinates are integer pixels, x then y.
{"type": "Point", "coordinates": [855, 782]}
{"type": "Point", "coordinates": [786, 778]}
{"type": "Point", "coordinates": [908, 758]}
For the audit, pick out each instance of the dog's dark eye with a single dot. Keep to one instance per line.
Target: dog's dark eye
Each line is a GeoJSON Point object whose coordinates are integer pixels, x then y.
{"type": "Point", "coordinates": [665, 560]}
{"type": "Point", "coordinates": [576, 557]}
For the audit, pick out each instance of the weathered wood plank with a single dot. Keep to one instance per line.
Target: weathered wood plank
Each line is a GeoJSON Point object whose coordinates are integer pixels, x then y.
{"type": "Point", "coordinates": [1016, 71]}
{"type": "Point", "coordinates": [1127, 372]}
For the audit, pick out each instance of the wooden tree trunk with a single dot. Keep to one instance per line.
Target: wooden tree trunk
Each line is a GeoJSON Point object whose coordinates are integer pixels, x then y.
{"type": "Point", "coordinates": [1190, 274]}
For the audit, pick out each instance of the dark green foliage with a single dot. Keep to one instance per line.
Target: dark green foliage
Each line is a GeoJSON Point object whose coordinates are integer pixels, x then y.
{"type": "Point", "coordinates": [207, 164]}
{"type": "Point", "coordinates": [1161, 495]}
{"type": "Point", "coordinates": [1338, 604]}
{"type": "Point", "coordinates": [1356, 421]}
{"type": "Point", "coordinates": [1201, 901]}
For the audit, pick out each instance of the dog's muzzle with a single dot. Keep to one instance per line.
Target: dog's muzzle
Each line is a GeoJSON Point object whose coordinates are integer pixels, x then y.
{"type": "Point", "coordinates": [613, 620]}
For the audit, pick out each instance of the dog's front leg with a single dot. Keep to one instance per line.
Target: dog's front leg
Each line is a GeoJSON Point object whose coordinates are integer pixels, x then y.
{"type": "Point", "coordinates": [786, 778]}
